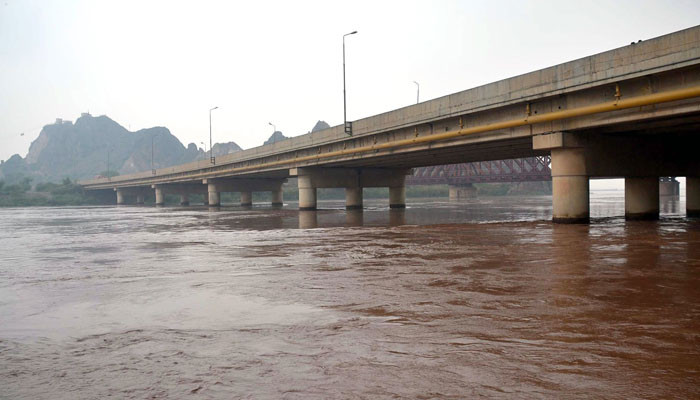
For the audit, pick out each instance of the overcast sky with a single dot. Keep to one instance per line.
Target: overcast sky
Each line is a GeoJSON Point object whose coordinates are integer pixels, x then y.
{"type": "Point", "coordinates": [153, 63]}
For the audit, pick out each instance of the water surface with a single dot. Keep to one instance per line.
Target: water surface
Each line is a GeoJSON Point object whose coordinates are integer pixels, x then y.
{"type": "Point", "coordinates": [442, 300]}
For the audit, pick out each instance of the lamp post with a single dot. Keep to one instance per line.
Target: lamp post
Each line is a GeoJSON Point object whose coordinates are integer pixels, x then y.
{"type": "Point", "coordinates": [417, 92]}
{"type": "Point", "coordinates": [108, 177]}
{"type": "Point", "coordinates": [211, 148]}
{"type": "Point", "coordinates": [348, 125]}
{"type": "Point", "coordinates": [274, 128]}
{"type": "Point", "coordinates": [153, 170]}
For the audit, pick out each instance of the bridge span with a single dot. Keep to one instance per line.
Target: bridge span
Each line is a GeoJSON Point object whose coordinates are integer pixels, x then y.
{"type": "Point", "coordinates": [631, 112]}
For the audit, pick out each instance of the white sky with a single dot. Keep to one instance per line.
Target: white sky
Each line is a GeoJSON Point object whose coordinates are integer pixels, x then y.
{"type": "Point", "coordinates": [165, 63]}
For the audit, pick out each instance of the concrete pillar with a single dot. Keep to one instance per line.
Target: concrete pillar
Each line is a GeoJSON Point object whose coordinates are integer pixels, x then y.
{"type": "Point", "coordinates": [184, 199]}
{"type": "Point", "coordinates": [353, 198]}
{"type": "Point", "coordinates": [121, 198]}
{"type": "Point", "coordinates": [692, 196]}
{"type": "Point", "coordinates": [140, 198]}
{"type": "Point", "coordinates": [397, 197]}
{"type": "Point", "coordinates": [462, 192]}
{"type": "Point", "coordinates": [307, 193]}
{"type": "Point", "coordinates": [246, 199]}
{"type": "Point", "coordinates": [160, 196]}
{"type": "Point", "coordinates": [277, 198]}
{"type": "Point", "coordinates": [570, 202]}
{"type": "Point", "coordinates": [214, 196]}
{"type": "Point", "coordinates": [641, 198]}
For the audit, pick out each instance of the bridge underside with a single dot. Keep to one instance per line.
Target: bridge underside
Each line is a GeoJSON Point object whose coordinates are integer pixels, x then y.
{"type": "Point", "coordinates": [632, 112]}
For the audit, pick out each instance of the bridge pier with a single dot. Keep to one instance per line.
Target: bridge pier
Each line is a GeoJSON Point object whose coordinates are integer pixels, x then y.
{"type": "Point", "coordinates": [570, 186]}
{"type": "Point", "coordinates": [641, 159]}
{"type": "Point", "coordinates": [307, 193]}
{"type": "Point", "coordinates": [459, 192]}
{"type": "Point", "coordinates": [641, 198]}
{"type": "Point", "coordinates": [140, 199]}
{"type": "Point", "coordinates": [277, 197]}
{"type": "Point", "coordinates": [246, 198]}
{"type": "Point", "coordinates": [214, 195]}
{"type": "Point", "coordinates": [352, 180]}
{"type": "Point", "coordinates": [121, 197]}
{"type": "Point", "coordinates": [353, 198]}
{"type": "Point", "coordinates": [397, 196]}
{"type": "Point", "coordinates": [184, 199]}
{"type": "Point", "coordinates": [160, 195]}
{"type": "Point", "coordinates": [692, 196]}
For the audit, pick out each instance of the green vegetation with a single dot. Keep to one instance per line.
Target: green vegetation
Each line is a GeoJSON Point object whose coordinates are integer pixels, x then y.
{"type": "Point", "coordinates": [66, 193]}
{"type": "Point", "coordinates": [108, 174]}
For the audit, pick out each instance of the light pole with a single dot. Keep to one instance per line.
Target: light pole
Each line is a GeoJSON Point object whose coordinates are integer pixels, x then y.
{"type": "Point", "coordinates": [211, 148]}
{"type": "Point", "coordinates": [417, 92]}
{"type": "Point", "coordinates": [153, 170]}
{"type": "Point", "coordinates": [348, 125]}
{"type": "Point", "coordinates": [274, 128]}
{"type": "Point", "coordinates": [204, 145]}
{"type": "Point", "coordinates": [108, 177]}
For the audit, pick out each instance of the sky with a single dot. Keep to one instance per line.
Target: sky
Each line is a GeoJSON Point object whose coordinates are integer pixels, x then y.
{"type": "Point", "coordinates": [166, 63]}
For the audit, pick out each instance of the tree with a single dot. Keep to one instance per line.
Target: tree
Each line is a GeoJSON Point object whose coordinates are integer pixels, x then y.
{"type": "Point", "coordinates": [108, 174]}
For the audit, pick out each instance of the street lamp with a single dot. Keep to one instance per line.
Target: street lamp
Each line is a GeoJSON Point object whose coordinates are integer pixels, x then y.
{"type": "Point", "coordinates": [274, 128]}
{"type": "Point", "coordinates": [417, 92]}
{"type": "Point", "coordinates": [211, 148]}
{"type": "Point", "coordinates": [153, 170]}
{"type": "Point", "coordinates": [348, 125]}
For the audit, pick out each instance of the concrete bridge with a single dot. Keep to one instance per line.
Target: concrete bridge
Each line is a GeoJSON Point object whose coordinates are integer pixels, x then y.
{"type": "Point", "coordinates": [631, 112]}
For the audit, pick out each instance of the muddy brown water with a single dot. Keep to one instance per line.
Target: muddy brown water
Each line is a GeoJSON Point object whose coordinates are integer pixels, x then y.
{"type": "Point", "coordinates": [442, 300]}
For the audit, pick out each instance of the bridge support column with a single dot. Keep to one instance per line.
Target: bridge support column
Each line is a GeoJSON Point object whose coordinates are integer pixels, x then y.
{"type": "Point", "coordinates": [641, 198]}
{"type": "Point", "coordinates": [140, 198]}
{"type": "Point", "coordinates": [461, 192]}
{"type": "Point", "coordinates": [246, 199]}
{"type": "Point", "coordinates": [277, 197]}
{"type": "Point", "coordinates": [121, 197]}
{"type": "Point", "coordinates": [214, 195]}
{"type": "Point", "coordinates": [353, 198]}
{"type": "Point", "coordinates": [184, 199]}
{"type": "Point", "coordinates": [570, 203]}
{"type": "Point", "coordinates": [397, 196]}
{"type": "Point", "coordinates": [307, 193]}
{"type": "Point", "coordinates": [160, 196]}
{"type": "Point", "coordinates": [692, 196]}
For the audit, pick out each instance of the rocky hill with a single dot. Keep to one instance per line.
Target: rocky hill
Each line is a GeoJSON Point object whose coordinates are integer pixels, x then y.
{"type": "Point", "coordinates": [81, 150]}
{"type": "Point", "coordinates": [275, 137]}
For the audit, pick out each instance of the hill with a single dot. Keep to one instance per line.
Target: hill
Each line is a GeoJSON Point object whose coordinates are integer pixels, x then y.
{"type": "Point", "coordinates": [93, 145]}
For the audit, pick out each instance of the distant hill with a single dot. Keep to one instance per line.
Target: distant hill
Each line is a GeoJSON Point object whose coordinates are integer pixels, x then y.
{"type": "Point", "coordinates": [320, 125]}
{"type": "Point", "coordinates": [276, 137]}
{"type": "Point", "coordinates": [80, 150]}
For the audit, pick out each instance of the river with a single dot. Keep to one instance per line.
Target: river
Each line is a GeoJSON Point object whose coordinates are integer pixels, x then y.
{"type": "Point", "coordinates": [442, 300]}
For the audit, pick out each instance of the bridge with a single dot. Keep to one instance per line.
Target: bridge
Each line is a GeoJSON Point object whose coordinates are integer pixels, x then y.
{"type": "Point", "coordinates": [631, 112]}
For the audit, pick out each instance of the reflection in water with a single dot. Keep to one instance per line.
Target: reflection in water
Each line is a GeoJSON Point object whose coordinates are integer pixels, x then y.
{"type": "Point", "coordinates": [440, 300]}
{"type": "Point", "coordinates": [354, 217]}
{"type": "Point", "coordinates": [670, 204]}
{"type": "Point", "coordinates": [397, 216]}
{"type": "Point", "coordinates": [308, 219]}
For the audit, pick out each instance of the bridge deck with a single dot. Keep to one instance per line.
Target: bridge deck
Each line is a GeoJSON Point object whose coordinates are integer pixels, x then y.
{"type": "Point", "coordinates": [659, 65]}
